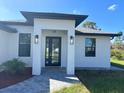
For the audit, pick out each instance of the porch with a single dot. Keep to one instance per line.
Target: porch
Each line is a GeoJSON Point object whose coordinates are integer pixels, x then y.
{"type": "Point", "coordinates": [49, 38]}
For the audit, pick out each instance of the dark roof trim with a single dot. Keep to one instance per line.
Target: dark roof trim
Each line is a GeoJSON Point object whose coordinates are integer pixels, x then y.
{"type": "Point", "coordinates": [7, 29]}
{"type": "Point", "coordinates": [44, 15]}
{"type": "Point", "coordinates": [98, 34]}
{"type": "Point", "coordinates": [16, 23]}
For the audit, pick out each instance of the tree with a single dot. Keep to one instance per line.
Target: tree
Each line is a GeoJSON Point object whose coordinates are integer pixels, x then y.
{"type": "Point", "coordinates": [118, 40]}
{"type": "Point", "coordinates": [89, 24]}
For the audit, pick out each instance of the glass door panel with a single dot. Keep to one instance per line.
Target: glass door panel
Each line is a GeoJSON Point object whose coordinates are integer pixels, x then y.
{"type": "Point", "coordinates": [53, 51]}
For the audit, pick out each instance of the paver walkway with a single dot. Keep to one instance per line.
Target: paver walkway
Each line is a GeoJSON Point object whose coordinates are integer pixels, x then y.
{"type": "Point", "coordinates": [116, 68]}
{"type": "Point", "coordinates": [51, 79]}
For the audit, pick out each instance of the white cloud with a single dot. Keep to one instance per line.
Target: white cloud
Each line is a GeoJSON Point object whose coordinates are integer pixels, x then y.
{"type": "Point", "coordinates": [112, 7]}
{"type": "Point", "coordinates": [76, 11]}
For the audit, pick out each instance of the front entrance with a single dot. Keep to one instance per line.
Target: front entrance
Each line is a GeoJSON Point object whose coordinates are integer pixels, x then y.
{"type": "Point", "coordinates": [53, 51]}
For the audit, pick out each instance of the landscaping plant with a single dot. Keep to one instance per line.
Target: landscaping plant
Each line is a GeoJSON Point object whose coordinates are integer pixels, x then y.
{"type": "Point", "coordinates": [14, 66]}
{"type": "Point", "coordinates": [117, 54]}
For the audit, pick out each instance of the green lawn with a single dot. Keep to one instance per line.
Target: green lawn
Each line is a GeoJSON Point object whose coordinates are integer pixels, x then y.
{"type": "Point", "coordinates": [119, 63]}
{"type": "Point", "coordinates": [97, 82]}
{"type": "Point", "coordinates": [102, 81]}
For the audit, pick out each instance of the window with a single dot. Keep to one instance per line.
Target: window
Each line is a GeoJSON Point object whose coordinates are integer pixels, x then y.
{"type": "Point", "coordinates": [90, 47]}
{"type": "Point", "coordinates": [24, 44]}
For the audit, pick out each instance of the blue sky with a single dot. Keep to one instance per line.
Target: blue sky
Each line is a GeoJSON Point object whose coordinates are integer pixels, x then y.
{"type": "Point", "coordinates": [108, 14]}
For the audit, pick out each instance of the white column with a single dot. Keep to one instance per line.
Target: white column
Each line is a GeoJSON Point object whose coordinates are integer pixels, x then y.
{"type": "Point", "coordinates": [71, 54]}
{"type": "Point", "coordinates": [36, 65]}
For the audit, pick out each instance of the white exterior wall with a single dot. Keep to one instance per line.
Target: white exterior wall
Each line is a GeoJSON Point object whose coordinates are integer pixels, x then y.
{"type": "Point", "coordinates": [52, 24]}
{"type": "Point", "coordinates": [102, 58]}
{"type": "Point", "coordinates": [13, 43]}
{"type": "Point", "coordinates": [9, 44]}
{"type": "Point", "coordinates": [4, 40]}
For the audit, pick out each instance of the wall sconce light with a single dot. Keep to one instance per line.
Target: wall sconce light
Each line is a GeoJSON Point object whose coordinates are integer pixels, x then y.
{"type": "Point", "coordinates": [71, 40]}
{"type": "Point", "coordinates": [36, 39]}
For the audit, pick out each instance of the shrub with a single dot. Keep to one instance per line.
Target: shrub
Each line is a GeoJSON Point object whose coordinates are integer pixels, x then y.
{"type": "Point", "coordinates": [116, 54]}
{"type": "Point", "coordinates": [14, 66]}
{"type": "Point", "coordinates": [112, 53]}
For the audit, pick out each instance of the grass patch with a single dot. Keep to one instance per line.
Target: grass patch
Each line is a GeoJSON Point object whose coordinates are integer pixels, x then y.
{"type": "Point", "coordinates": [76, 88]}
{"type": "Point", "coordinates": [102, 81]}
{"type": "Point", "coordinates": [97, 82]}
{"type": "Point", "coordinates": [118, 63]}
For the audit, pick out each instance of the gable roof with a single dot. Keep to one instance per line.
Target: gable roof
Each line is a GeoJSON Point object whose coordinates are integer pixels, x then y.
{"type": "Point", "coordinates": [45, 15]}
{"type": "Point", "coordinates": [7, 28]}
{"type": "Point", "coordinates": [87, 31]}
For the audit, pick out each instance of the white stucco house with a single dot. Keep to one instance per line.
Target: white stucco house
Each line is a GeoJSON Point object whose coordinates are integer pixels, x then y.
{"type": "Point", "coordinates": [52, 39]}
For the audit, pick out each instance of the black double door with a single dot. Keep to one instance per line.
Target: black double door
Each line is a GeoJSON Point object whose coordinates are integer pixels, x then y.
{"type": "Point", "coordinates": [53, 51]}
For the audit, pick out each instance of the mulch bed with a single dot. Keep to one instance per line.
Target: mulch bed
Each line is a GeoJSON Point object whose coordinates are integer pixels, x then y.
{"type": "Point", "coordinates": [7, 79]}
